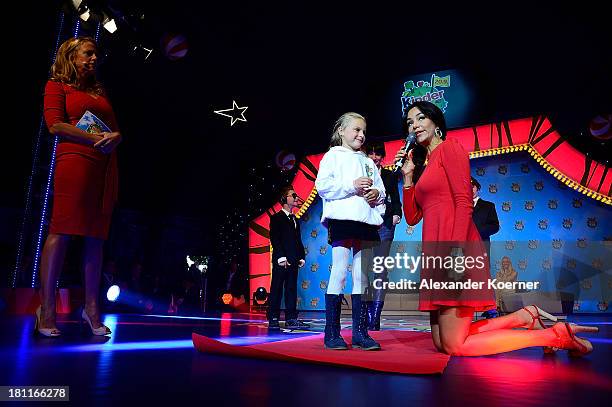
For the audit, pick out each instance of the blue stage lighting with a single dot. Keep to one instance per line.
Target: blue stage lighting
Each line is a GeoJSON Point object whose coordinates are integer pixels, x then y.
{"type": "Point", "coordinates": [113, 293]}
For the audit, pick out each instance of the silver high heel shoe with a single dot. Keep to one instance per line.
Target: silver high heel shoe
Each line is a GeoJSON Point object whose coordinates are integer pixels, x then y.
{"type": "Point", "coordinates": [100, 331]}
{"type": "Point", "coordinates": [48, 332]}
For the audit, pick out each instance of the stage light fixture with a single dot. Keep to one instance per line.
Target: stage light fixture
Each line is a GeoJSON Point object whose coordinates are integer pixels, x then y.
{"type": "Point", "coordinates": [200, 262]}
{"type": "Point", "coordinates": [189, 262]}
{"type": "Point", "coordinates": [260, 296]}
{"type": "Point", "coordinates": [143, 51]}
{"type": "Point", "coordinates": [97, 11]}
{"type": "Point", "coordinates": [82, 9]}
{"type": "Point", "coordinates": [113, 293]}
{"type": "Point", "coordinates": [227, 298]}
{"type": "Point", "coordinates": [109, 24]}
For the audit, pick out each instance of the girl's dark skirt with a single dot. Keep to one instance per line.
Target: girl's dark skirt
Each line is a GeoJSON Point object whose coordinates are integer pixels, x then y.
{"type": "Point", "coordinates": [345, 230]}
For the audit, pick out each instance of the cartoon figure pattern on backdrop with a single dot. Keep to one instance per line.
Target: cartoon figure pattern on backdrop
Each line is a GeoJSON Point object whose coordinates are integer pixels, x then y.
{"type": "Point", "coordinates": [550, 233]}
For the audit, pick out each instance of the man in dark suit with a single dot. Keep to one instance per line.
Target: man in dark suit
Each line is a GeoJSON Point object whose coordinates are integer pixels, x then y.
{"type": "Point", "coordinates": [386, 232]}
{"type": "Point", "coordinates": [487, 223]}
{"type": "Point", "coordinates": [484, 215]}
{"type": "Point", "coordinates": [287, 256]}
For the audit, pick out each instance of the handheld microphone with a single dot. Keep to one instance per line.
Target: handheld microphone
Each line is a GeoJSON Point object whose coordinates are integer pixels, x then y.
{"type": "Point", "coordinates": [410, 143]}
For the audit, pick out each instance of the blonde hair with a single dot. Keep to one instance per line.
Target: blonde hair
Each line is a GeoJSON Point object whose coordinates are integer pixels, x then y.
{"type": "Point", "coordinates": [510, 266]}
{"type": "Point", "coordinates": [341, 123]}
{"type": "Point", "coordinates": [64, 69]}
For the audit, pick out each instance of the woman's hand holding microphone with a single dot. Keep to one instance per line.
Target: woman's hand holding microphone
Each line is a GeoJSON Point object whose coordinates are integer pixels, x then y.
{"type": "Point", "coordinates": [408, 166]}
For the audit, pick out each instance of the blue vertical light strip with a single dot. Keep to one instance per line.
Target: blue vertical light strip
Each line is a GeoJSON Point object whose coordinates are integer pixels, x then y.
{"type": "Point", "coordinates": [43, 212]}
{"type": "Point", "coordinates": [98, 32]}
{"type": "Point", "coordinates": [35, 161]}
{"type": "Point", "coordinates": [77, 27]}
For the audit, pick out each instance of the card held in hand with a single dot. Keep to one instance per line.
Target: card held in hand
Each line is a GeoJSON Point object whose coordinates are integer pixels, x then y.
{"type": "Point", "coordinates": [92, 124]}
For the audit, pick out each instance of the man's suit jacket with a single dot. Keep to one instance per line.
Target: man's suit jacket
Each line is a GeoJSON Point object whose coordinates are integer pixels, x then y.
{"type": "Point", "coordinates": [392, 200]}
{"type": "Point", "coordinates": [485, 218]}
{"type": "Point", "coordinates": [285, 239]}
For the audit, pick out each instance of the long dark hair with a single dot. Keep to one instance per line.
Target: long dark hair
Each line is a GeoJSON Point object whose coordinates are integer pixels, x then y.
{"type": "Point", "coordinates": [419, 153]}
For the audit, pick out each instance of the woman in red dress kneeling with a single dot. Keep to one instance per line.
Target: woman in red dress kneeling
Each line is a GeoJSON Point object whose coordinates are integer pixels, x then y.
{"type": "Point", "coordinates": [442, 198]}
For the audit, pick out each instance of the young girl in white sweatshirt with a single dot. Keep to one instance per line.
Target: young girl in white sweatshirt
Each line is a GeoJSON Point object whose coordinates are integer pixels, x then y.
{"type": "Point", "coordinates": [351, 189]}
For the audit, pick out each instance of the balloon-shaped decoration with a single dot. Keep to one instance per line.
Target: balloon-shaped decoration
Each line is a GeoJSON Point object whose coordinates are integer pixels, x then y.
{"type": "Point", "coordinates": [285, 160]}
{"type": "Point", "coordinates": [174, 46]}
{"type": "Point", "coordinates": [600, 127]}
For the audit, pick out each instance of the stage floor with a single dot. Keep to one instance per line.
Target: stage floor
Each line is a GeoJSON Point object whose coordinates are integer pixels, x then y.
{"type": "Point", "coordinates": [150, 359]}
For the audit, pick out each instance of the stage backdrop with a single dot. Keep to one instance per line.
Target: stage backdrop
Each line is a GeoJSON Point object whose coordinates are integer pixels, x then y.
{"type": "Point", "coordinates": [553, 204]}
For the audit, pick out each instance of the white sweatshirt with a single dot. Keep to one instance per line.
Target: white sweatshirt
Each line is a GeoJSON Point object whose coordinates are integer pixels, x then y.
{"type": "Point", "coordinates": [338, 169]}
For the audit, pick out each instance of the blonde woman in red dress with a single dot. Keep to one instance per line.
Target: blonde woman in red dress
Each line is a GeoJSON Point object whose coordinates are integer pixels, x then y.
{"type": "Point", "coordinates": [440, 194]}
{"type": "Point", "coordinates": [84, 181]}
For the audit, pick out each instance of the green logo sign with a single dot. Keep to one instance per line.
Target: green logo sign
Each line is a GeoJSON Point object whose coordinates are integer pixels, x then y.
{"type": "Point", "coordinates": [429, 91]}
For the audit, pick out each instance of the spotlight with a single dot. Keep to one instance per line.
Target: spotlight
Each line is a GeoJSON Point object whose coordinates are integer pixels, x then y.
{"type": "Point", "coordinates": [189, 262]}
{"type": "Point", "coordinates": [227, 298]}
{"type": "Point", "coordinates": [260, 296]}
{"type": "Point", "coordinates": [113, 293]}
{"type": "Point", "coordinates": [82, 9]}
{"type": "Point", "coordinates": [200, 262]}
{"type": "Point", "coordinates": [142, 51]}
{"type": "Point", "coordinates": [97, 11]}
{"type": "Point", "coordinates": [109, 24]}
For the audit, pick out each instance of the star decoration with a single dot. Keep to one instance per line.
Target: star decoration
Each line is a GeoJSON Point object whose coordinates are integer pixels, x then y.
{"type": "Point", "coordinates": [235, 113]}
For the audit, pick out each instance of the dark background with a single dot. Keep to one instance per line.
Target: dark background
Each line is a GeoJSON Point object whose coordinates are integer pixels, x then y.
{"type": "Point", "coordinates": [297, 67]}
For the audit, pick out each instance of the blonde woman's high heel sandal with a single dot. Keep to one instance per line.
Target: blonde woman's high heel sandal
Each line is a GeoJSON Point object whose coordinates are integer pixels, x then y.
{"type": "Point", "coordinates": [100, 331]}
{"type": "Point", "coordinates": [48, 332]}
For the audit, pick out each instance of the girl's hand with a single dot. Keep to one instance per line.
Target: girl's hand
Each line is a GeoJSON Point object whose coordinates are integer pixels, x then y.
{"type": "Point", "coordinates": [362, 184]}
{"type": "Point", "coordinates": [371, 196]}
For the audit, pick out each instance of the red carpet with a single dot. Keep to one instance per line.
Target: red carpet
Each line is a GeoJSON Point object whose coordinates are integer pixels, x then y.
{"type": "Point", "coordinates": [402, 352]}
